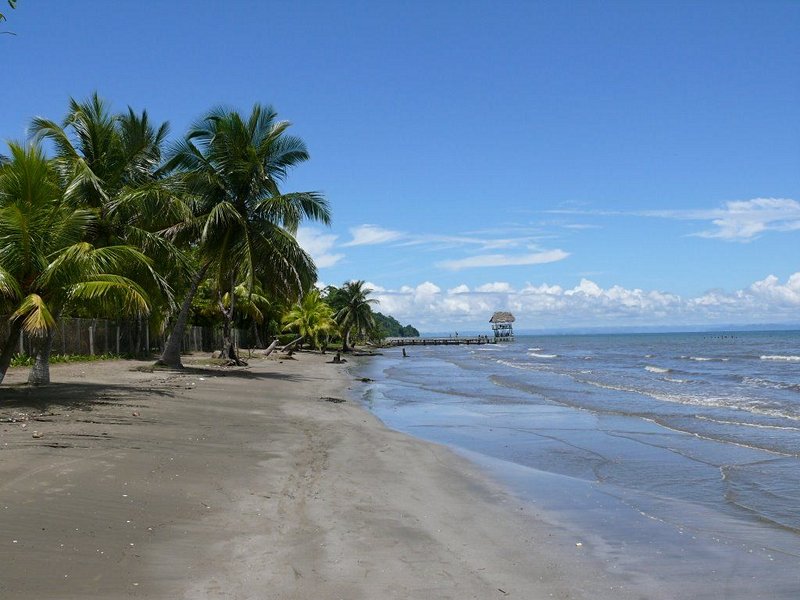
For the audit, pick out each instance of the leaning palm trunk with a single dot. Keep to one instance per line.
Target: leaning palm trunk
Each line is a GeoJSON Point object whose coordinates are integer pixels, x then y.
{"type": "Point", "coordinates": [8, 348]}
{"type": "Point", "coordinates": [171, 357]}
{"type": "Point", "coordinates": [40, 371]}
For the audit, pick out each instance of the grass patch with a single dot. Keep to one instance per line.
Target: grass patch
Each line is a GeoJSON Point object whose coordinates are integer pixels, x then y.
{"type": "Point", "coordinates": [23, 360]}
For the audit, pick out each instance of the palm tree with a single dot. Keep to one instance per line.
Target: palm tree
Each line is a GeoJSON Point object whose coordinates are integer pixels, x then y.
{"type": "Point", "coordinates": [356, 312]}
{"type": "Point", "coordinates": [108, 164]}
{"type": "Point", "coordinates": [252, 305]}
{"type": "Point", "coordinates": [46, 265]}
{"type": "Point", "coordinates": [243, 226]}
{"type": "Point", "coordinates": [310, 317]}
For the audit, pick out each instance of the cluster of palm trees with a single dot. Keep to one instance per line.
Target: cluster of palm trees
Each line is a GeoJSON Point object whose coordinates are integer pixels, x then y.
{"type": "Point", "coordinates": [112, 220]}
{"type": "Point", "coordinates": [333, 312]}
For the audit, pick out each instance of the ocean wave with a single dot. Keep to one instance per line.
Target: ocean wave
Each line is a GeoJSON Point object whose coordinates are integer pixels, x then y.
{"type": "Point", "coordinates": [535, 355]}
{"type": "Point", "coordinates": [674, 380]}
{"type": "Point", "coordinates": [767, 383]}
{"type": "Point", "coordinates": [610, 386]}
{"type": "Point", "coordinates": [534, 349]}
{"type": "Point", "coordinates": [526, 366]}
{"type": "Point", "coordinates": [738, 403]}
{"type": "Point", "coordinates": [746, 424]}
{"type": "Point", "coordinates": [657, 369]}
{"type": "Point", "coordinates": [706, 358]}
{"type": "Point", "coordinates": [780, 357]}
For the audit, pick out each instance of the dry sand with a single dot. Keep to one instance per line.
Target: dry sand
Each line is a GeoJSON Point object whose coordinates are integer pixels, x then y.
{"type": "Point", "coordinates": [246, 483]}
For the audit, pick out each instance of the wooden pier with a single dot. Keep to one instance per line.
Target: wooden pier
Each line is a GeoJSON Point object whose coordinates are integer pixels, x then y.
{"type": "Point", "coordinates": [439, 341]}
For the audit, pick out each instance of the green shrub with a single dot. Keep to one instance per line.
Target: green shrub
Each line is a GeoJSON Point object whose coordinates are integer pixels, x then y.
{"type": "Point", "coordinates": [23, 360]}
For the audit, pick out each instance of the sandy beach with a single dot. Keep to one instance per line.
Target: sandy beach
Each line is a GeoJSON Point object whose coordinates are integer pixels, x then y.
{"type": "Point", "coordinates": [117, 482]}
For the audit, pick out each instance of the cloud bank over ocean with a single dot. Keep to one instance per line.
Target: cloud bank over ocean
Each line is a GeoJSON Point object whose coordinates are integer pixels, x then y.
{"type": "Point", "coordinates": [545, 267]}
{"type": "Point", "coordinates": [587, 304]}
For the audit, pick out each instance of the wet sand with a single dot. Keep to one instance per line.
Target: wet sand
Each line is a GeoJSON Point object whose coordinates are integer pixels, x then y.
{"type": "Point", "coordinates": [251, 483]}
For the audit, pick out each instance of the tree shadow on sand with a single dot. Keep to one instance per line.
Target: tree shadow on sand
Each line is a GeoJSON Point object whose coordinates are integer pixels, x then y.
{"type": "Point", "coordinates": [233, 372]}
{"type": "Point", "coordinates": [75, 396]}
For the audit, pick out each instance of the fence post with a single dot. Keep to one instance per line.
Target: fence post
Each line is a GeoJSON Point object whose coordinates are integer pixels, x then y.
{"type": "Point", "coordinates": [117, 338]}
{"type": "Point", "coordinates": [21, 343]}
{"type": "Point", "coordinates": [91, 337]}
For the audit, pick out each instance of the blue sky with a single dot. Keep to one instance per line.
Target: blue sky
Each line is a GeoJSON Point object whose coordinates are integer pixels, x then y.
{"type": "Point", "coordinates": [583, 163]}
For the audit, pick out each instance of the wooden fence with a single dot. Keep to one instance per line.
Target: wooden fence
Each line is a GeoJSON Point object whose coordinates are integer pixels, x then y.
{"type": "Point", "coordinates": [132, 337]}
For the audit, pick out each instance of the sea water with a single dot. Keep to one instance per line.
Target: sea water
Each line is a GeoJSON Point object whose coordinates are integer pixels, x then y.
{"type": "Point", "coordinates": [675, 458]}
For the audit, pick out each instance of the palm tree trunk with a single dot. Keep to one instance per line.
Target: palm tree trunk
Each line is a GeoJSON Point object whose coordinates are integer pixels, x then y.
{"type": "Point", "coordinates": [257, 336]}
{"type": "Point", "coordinates": [8, 347]}
{"type": "Point", "coordinates": [228, 347]}
{"type": "Point", "coordinates": [171, 357]}
{"type": "Point", "coordinates": [228, 351]}
{"type": "Point", "coordinates": [346, 340]}
{"type": "Point", "coordinates": [40, 371]}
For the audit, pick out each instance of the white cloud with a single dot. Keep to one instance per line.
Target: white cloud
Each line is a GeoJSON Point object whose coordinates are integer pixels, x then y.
{"type": "Point", "coordinates": [369, 235]}
{"type": "Point", "coordinates": [497, 286]}
{"type": "Point", "coordinates": [426, 290]}
{"type": "Point", "coordinates": [589, 305]}
{"type": "Point", "coordinates": [373, 286]}
{"type": "Point", "coordinates": [504, 260]}
{"type": "Point", "coordinates": [743, 220]}
{"type": "Point", "coordinates": [580, 226]}
{"type": "Point", "coordinates": [771, 289]}
{"type": "Point", "coordinates": [459, 289]}
{"type": "Point", "coordinates": [319, 244]}
{"type": "Point", "coordinates": [736, 220]}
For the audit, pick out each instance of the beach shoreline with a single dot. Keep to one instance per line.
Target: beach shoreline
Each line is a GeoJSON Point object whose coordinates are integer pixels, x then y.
{"type": "Point", "coordinates": [252, 483]}
{"type": "Point", "coordinates": [657, 508]}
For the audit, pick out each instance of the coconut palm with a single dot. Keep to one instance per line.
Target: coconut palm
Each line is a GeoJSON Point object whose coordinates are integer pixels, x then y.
{"type": "Point", "coordinates": [46, 264]}
{"type": "Point", "coordinates": [310, 318]}
{"type": "Point", "coordinates": [253, 306]}
{"type": "Point", "coordinates": [108, 164]}
{"type": "Point", "coordinates": [243, 225]}
{"type": "Point", "coordinates": [356, 312]}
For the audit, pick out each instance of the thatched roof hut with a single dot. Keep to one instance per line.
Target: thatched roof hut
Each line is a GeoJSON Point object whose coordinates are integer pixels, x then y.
{"type": "Point", "coordinates": [502, 317]}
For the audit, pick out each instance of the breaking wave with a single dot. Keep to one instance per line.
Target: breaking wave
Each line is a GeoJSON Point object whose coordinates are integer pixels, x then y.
{"type": "Point", "coordinates": [780, 357]}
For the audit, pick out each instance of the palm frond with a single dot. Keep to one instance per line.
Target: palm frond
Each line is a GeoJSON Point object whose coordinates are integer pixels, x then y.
{"type": "Point", "coordinates": [9, 286]}
{"type": "Point", "coordinates": [35, 314]}
{"type": "Point", "coordinates": [112, 293]}
{"type": "Point", "coordinates": [45, 129]}
{"type": "Point", "coordinates": [289, 209]}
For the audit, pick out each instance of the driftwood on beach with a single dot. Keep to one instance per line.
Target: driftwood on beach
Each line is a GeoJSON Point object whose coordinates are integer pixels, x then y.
{"type": "Point", "coordinates": [291, 345]}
